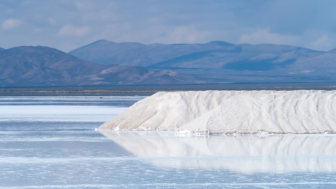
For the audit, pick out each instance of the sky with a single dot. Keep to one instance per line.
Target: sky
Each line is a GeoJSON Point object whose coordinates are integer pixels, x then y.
{"type": "Point", "coordinates": [69, 24]}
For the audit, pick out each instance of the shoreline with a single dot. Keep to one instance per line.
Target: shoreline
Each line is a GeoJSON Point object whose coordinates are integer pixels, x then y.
{"type": "Point", "coordinates": [132, 89]}
{"type": "Point", "coordinates": [72, 91]}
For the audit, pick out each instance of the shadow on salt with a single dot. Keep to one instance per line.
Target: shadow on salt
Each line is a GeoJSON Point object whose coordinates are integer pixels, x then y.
{"type": "Point", "coordinates": [245, 153]}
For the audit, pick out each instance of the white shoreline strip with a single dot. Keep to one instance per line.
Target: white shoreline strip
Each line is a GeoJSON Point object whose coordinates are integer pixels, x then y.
{"type": "Point", "coordinates": [168, 184]}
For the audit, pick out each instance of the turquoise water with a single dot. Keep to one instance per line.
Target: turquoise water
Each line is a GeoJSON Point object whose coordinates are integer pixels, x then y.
{"type": "Point", "coordinates": [51, 142]}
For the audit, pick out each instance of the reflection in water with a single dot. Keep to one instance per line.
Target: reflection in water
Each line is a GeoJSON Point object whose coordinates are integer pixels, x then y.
{"type": "Point", "coordinates": [246, 154]}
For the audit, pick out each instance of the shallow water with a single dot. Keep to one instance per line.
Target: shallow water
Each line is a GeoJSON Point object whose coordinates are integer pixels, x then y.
{"type": "Point", "coordinates": [51, 142]}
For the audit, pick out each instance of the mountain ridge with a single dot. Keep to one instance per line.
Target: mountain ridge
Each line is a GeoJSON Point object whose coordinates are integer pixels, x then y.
{"type": "Point", "coordinates": [212, 55]}
{"type": "Point", "coordinates": [244, 62]}
{"type": "Point", "coordinates": [121, 53]}
{"type": "Point", "coordinates": [43, 66]}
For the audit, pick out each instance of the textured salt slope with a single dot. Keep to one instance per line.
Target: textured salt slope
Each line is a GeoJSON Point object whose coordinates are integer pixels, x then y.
{"type": "Point", "coordinates": [166, 110]}
{"type": "Point", "coordinates": [305, 111]}
{"type": "Point", "coordinates": [278, 153]}
{"type": "Point", "coordinates": [277, 113]}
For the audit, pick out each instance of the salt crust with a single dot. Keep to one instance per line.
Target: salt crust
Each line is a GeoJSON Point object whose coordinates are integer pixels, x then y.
{"type": "Point", "coordinates": [233, 112]}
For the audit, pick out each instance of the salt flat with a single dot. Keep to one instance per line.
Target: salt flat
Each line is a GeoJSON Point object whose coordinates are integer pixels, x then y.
{"type": "Point", "coordinates": [58, 113]}
{"type": "Point", "coordinates": [46, 151]}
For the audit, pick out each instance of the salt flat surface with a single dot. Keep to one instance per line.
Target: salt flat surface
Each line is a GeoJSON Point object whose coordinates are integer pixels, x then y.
{"type": "Point", "coordinates": [121, 101]}
{"type": "Point", "coordinates": [219, 112]}
{"type": "Point", "coordinates": [58, 154]}
{"type": "Point", "coordinates": [58, 113]}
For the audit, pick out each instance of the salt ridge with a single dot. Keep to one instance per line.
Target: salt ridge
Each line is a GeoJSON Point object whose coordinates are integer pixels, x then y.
{"type": "Point", "coordinates": [297, 112]}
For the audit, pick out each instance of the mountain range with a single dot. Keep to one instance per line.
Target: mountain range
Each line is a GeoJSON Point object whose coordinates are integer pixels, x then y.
{"type": "Point", "coordinates": [244, 62]}
{"type": "Point", "coordinates": [45, 66]}
{"type": "Point", "coordinates": [216, 54]}
{"type": "Point", "coordinates": [128, 63]}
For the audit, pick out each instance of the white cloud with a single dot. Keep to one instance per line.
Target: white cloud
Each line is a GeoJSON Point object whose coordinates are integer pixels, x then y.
{"type": "Point", "coordinates": [81, 5]}
{"type": "Point", "coordinates": [156, 34]}
{"type": "Point", "coordinates": [265, 36]}
{"type": "Point", "coordinates": [172, 21]}
{"type": "Point", "coordinates": [178, 34]}
{"type": "Point", "coordinates": [37, 30]}
{"type": "Point", "coordinates": [73, 31]}
{"type": "Point", "coordinates": [51, 21]}
{"type": "Point", "coordinates": [324, 42]}
{"type": "Point", "coordinates": [186, 34]}
{"type": "Point", "coordinates": [10, 24]}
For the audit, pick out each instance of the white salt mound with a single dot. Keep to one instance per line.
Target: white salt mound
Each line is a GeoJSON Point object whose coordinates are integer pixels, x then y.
{"type": "Point", "coordinates": [218, 112]}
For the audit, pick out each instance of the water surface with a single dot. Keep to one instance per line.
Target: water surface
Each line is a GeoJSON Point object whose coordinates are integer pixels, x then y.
{"type": "Point", "coordinates": [51, 142]}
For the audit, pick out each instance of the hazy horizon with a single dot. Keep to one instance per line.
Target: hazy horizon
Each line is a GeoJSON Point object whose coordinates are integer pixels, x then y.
{"type": "Point", "coordinates": [165, 44]}
{"type": "Point", "coordinates": [67, 25]}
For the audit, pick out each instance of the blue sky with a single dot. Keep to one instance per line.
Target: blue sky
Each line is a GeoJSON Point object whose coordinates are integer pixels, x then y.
{"type": "Point", "coordinates": [68, 24]}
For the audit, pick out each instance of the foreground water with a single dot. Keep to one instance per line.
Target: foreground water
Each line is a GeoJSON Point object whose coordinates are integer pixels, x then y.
{"type": "Point", "coordinates": [51, 142]}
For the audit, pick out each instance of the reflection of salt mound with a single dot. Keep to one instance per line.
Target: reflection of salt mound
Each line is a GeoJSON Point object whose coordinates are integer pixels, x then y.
{"type": "Point", "coordinates": [277, 153]}
{"type": "Point", "coordinates": [232, 111]}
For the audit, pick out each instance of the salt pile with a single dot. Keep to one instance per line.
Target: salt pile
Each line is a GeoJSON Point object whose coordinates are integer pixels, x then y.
{"type": "Point", "coordinates": [232, 112]}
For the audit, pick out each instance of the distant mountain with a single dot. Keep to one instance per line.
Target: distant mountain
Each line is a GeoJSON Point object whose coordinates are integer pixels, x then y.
{"type": "Point", "coordinates": [44, 66]}
{"type": "Point", "coordinates": [332, 51]}
{"type": "Point", "coordinates": [219, 60]}
{"type": "Point", "coordinates": [136, 54]}
{"type": "Point", "coordinates": [323, 64]}
{"type": "Point", "coordinates": [212, 55]}
{"type": "Point", "coordinates": [1, 49]}
{"type": "Point", "coordinates": [102, 51]}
